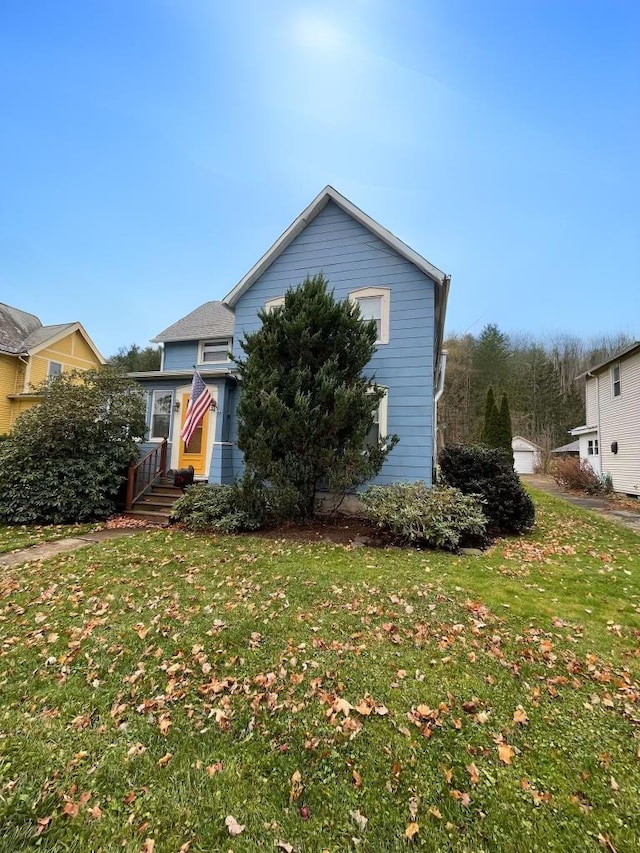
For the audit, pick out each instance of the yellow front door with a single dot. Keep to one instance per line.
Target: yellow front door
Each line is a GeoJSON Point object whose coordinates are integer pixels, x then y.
{"type": "Point", "coordinates": [194, 453]}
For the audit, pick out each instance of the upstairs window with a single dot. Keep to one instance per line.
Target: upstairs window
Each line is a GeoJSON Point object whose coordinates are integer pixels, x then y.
{"type": "Point", "coordinates": [161, 405]}
{"type": "Point", "coordinates": [592, 447]}
{"type": "Point", "coordinates": [374, 304]}
{"type": "Point", "coordinates": [54, 369]}
{"type": "Point", "coordinates": [214, 351]}
{"type": "Point", "coordinates": [270, 304]}
{"type": "Point", "coordinates": [615, 380]}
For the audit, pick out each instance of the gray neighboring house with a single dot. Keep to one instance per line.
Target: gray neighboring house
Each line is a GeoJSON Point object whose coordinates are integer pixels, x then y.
{"type": "Point", "coordinates": [610, 438]}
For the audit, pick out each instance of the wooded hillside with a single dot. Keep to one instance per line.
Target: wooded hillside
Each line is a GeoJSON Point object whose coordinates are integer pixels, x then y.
{"type": "Point", "coordinates": [538, 376]}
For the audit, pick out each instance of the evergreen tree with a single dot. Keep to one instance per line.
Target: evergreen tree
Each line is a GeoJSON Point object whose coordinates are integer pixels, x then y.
{"type": "Point", "coordinates": [491, 430]}
{"type": "Point", "coordinates": [305, 407]}
{"type": "Point", "coordinates": [132, 359]}
{"type": "Point", "coordinates": [505, 434]}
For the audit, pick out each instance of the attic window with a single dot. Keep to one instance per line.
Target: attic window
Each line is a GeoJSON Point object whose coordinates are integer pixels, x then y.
{"type": "Point", "coordinates": [374, 303]}
{"type": "Point", "coordinates": [615, 380]}
{"type": "Point", "coordinates": [214, 351]}
{"type": "Point", "coordinates": [270, 304]}
{"type": "Point", "coordinates": [54, 369]}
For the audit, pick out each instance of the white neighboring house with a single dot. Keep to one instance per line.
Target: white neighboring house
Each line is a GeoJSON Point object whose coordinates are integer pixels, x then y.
{"type": "Point", "coordinates": [526, 455]}
{"type": "Point", "coordinates": [610, 439]}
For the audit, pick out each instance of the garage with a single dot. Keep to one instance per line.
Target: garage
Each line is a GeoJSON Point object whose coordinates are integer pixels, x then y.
{"type": "Point", "coordinates": [526, 455]}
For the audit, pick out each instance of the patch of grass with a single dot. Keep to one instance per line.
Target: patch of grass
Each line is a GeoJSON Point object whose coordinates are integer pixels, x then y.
{"type": "Point", "coordinates": [155, 685]}
{"type": "Point", "coordinates": [15, 537]}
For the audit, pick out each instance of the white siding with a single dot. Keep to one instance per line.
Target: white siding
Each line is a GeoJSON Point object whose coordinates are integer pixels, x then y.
{"type": "Point", "coordinates": [620, 421]}
{"type": "Point", "coordinates": [591, 394]}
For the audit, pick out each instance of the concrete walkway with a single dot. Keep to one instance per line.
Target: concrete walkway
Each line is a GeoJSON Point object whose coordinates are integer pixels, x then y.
{"type": "Point", "coordinates": [624, 516]}
{"type": "Point", "coordinates": [51, 549]}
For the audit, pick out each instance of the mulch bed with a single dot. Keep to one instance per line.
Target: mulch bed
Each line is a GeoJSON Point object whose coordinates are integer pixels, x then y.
{"type": "Point", "coordinates": [341, 531]}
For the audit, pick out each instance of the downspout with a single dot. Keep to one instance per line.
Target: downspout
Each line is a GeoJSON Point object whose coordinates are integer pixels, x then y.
{"type": "Point", "coordinates": [438, 393]}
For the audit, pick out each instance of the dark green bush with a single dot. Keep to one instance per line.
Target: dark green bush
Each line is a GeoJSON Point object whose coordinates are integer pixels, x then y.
{"type": "Point", "coordinates": [440, 517]}
{"type": "Point", "coordinates": [67, 457]}
{"type": "Point", "coordinates": [488, 472]}
{"type": "Point", "coordinates": [223, 509]}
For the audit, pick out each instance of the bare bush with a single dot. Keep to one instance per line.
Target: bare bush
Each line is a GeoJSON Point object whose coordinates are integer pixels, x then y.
{"type": "Point", "coordinates": [577, 475]}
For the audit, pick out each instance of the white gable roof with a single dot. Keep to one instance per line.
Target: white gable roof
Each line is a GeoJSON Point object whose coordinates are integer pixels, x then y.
{"type": "Point", "coordinates": [328, 194]}
{"type": "Point", "coordinates": [307, 216]}
{"type": "Point", "coordinates": [520, 443]}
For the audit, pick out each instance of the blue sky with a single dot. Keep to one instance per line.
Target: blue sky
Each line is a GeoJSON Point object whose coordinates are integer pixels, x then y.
{"type": "Point", "coordinates": [151, 151]}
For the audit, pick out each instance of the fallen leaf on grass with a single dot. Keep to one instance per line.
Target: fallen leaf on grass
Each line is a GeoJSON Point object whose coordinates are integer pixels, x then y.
{"type": "Point", "coordinates": [212, 769]}
{"type": "Point", "coordinates": [233, 826]}
{"type": "Point", "coordinates": [357, 778]}
{"type": "Point", "coordinates": [166, 758]}
{"type": "Point", "coordinates": [412, 830]}
{"type": "Point", "coordinates": [520, 715]}
{"type": "Point", "coordinates": [606, 842]}
{"type": "Point", "coordinates": [462, 797]}
{"type": "Point", "coordinates": [506, 753]}
{"type": "Point", "coordinates": [360, 819]}
{"type": "Point", "coordinates": [474, 773]}
{"type": "Point", "coordinates": [284, 845]}
{"type": "Point", "coordinates": [305, 812]}
{"type": "Point", "coordinates": [149, 846]}
{"type": "Point", "coordinates": [43, 823]}
{"type": "Point", "coordinates": [296, 787]}
{"type": "Point", "coordinates": [435, 812]}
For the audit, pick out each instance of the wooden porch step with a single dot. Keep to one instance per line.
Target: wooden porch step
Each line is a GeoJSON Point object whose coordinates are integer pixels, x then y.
{"type": "Point", "coordinates": [148, 515]}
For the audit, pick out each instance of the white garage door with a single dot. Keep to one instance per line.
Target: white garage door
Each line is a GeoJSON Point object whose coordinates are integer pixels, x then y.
{"type": "Point", "coordinates": [523, 461]}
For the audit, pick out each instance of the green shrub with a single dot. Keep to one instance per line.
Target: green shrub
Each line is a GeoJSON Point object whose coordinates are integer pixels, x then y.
{"type": "Point", "coordinates": [67, 457]}
{"type": "Point", "coordinates": [223, 509]}
{"type": "Point", "coordinates": [440, 517]}
{"type": "Point", "coordinates": [488, 472]}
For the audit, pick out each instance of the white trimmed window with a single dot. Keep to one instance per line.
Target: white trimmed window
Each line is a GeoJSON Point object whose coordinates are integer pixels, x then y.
{"type": "Point", "coordinates": [270, 304]}
{"type": "Point", "coordinates": [374, 303]}
{"type": "Point", "coordinates": [378, 428]}
{"type": "Point", "coordinates": [592, 447]}
{"type": "Point", "coordinates": [615, 380]}
{"type": "Point", "coordinates": [161, 405]}
{"type": "Point", "coordinates": [212, 351]}
{"type": "Point", "coordinates": [54, 369]}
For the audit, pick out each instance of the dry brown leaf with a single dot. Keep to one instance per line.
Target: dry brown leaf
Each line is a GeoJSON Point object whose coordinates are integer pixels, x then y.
{"type": "Point", "coordinates": [360, 819]}
{"type": "Point", "coordinates": [149, 846]}
{"type": "Point", "coordinates": [435, 812]}
{"type": "Point", "coordinates": [474, 773]}
{"type": "Point", "coordinates": [520, 716]}
{"type": "Point", "coordinates": [506, 753]}
{"type": "Point", "coordinates": [284, 845]}
{"type": "Point", "coordinates": [166, 758]}
{"type": "Point", "coordinates": [296, 787]}
{"type": "Point", "coordinates": [212, 769]}
{"type": "Point", "coordinates": [164, 723]}
{"type": "Point", "coordinates": [412, 830]}
{"type": "Point", "coordinates": [234, 828]}
{"type": "Point", "coordinates": [357, 778]}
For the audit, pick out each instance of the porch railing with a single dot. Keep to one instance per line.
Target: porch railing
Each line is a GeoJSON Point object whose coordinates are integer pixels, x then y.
{"type": "Point", "coordinates": [146, 471]}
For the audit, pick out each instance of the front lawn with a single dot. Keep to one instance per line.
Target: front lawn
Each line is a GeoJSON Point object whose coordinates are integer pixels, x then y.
{"type": "Point", "coordinates": [161, 692]}
{"type": "Point", "coordinates": [15, 537]}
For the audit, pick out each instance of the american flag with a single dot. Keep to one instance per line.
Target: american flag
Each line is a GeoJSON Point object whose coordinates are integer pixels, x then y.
{"type": "Point", "coordinates": [199, 402]}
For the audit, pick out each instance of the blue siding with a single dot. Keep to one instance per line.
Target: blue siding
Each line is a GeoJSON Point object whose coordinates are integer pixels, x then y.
{"type": "Point", "coordinates": [182, 355]}
{"type": "Point", "coordinates": [351, 257]}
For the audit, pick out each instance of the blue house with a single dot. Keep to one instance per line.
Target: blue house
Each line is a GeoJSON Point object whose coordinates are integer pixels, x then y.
{"type": "Point", "coordinates": [362, 261]}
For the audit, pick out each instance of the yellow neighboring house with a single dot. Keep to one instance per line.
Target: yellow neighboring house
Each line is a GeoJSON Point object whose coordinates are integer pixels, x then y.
{"type": "Point", "coordinates": [31, 352]}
